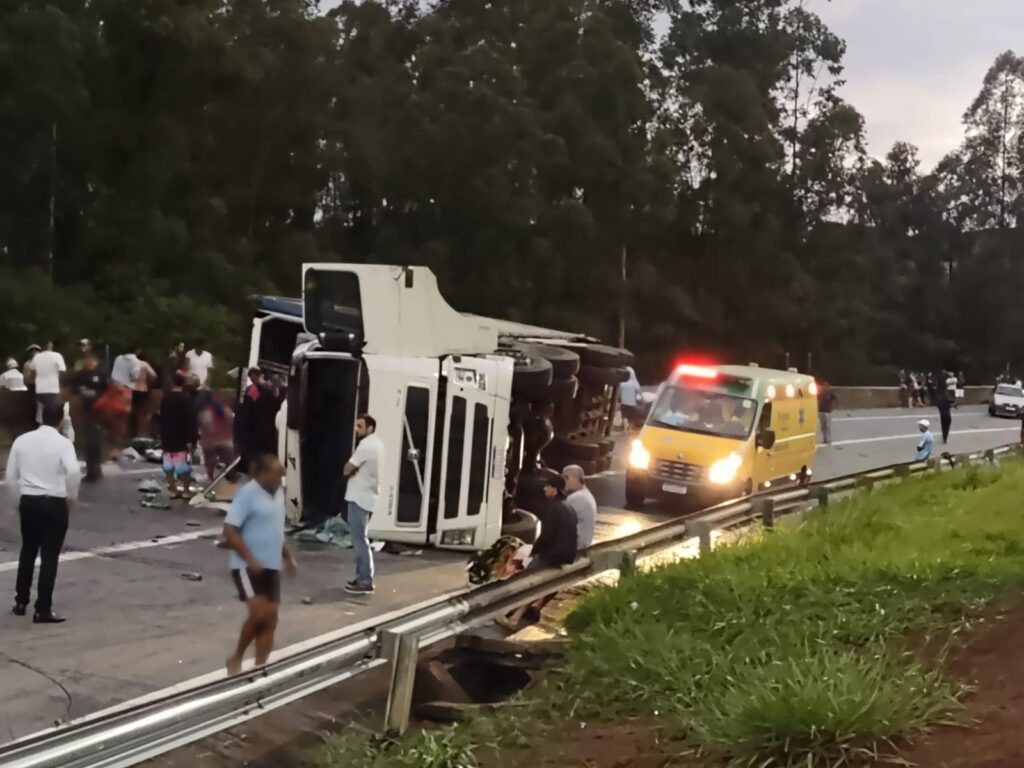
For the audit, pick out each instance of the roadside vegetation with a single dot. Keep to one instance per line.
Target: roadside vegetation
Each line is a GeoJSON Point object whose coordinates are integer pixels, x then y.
{"type": "Point", "coordinates": [818, 644]}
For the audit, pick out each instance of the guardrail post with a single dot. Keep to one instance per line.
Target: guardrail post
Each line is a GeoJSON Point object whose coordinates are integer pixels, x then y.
{"type": "Point", "coordinates": [627, 563]}
{"type": "Point", "coordinates": [820, 495]}
{"type": "Point", "coordinates": [765, 509]}
{"type": "Point", "coordinates": [902, 471]}
{"type": "Point", "coordinates": [935, 465]}
{"type": "Point", "coordinates": [866, 484]}
{"type": "Point", "coordinates": [404, 652]}
{"type": "Point", "coordinates": [990, 456]}
{"type": "Point", "coordinates": [702, 530]}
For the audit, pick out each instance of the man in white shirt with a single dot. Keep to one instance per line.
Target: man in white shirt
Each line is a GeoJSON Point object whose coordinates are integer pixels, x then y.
{"type": "Point", "coordinates": [363, 473]}
{"type": "Point", "coordinates": [126, 370]}
{"type": "Point", "coordinates": [43, 469]}
{"type": "Point", "coordinates": [12, 379]}
{"type": "Point", "coordinates": [200, 363]}
{"type": "Point", "coordinates": [48, 366]}
{"type": "Point", "coordinates": [582, 502]}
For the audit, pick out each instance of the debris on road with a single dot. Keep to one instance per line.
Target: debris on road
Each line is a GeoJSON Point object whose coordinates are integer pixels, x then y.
{"type": "Point", "coordinates": [307, 600]}
{"type": "Point", "coordinates": [192, 523]}
{"type": "Point", "coordinates": [192, 576]}
{"type": "Point", "coordinates": [130, 454]}
{"type": "Point", "coordinates": [152, 503]}
{"type": "Point", "coordinates": [149, 486]}
{"type": "Point", "coordinates": [333, 530]}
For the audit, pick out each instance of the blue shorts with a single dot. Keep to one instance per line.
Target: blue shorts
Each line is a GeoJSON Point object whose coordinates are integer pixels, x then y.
{"type": "Point", "coordinates": [176, 463]}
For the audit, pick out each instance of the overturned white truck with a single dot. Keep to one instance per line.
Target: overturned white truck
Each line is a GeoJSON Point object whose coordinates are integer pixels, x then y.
{"type": "Point", "coordinates": [466, 405]}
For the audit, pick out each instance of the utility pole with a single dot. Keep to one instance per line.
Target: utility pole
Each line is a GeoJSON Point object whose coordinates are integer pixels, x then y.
{"type": "Point", "coordinates": [622, 303]}
{"type": "Point", "coordinates": [53, 196]}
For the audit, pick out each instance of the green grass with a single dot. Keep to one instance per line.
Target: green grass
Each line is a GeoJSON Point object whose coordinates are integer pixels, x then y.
{"type": "Point", "coordinates": [797, 647]}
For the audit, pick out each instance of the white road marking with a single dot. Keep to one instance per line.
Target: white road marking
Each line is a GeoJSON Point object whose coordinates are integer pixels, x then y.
{"type": "Point", "coordinates": [965, 433]}
{"type": "Point", "coordinates": [128, 546]}
{"type": "Point", "coordinates": [921, 414]}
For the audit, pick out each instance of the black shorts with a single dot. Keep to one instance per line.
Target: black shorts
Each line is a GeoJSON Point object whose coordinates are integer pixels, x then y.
{"type": "Point", "coordinates": [266, 583]}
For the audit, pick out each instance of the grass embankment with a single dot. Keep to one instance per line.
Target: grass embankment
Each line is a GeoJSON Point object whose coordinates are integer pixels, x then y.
{"type": "Point", "coordinates": [797, 647]}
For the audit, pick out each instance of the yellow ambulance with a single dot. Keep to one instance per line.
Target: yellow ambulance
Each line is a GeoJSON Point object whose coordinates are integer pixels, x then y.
{"type": "Point", "coordinates": [717, 432]}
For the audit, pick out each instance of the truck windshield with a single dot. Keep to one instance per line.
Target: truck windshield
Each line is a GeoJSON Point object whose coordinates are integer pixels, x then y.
{"type": "Point", "coordinates": [704, 412]}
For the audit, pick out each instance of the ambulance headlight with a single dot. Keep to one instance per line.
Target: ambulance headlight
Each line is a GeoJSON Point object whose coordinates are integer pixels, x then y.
{"type": "Point", "coordinates": [724, 471]}
{"type": "Point", "coordinates": [639, 457]}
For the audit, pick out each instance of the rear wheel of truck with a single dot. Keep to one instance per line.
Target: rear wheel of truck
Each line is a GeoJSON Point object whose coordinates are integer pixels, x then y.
{"type": "Point", "coordinates": [601, 356]}
{"type": "Point", "coordinates": [532, 374]}
{"type": "Point", "coordinates": [564, 361]}
{"type": "Point", "coordinates": [603, 377]}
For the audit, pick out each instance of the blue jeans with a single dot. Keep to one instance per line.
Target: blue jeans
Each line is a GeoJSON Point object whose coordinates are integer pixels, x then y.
{"type": "Point", "coordinates": [358, 522]}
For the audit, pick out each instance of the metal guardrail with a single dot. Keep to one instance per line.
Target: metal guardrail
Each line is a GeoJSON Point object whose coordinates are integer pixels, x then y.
{"type": "Point", "coordinates": [144, 731]}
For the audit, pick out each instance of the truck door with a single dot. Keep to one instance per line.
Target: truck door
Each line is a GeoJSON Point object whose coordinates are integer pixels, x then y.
{"type": "Point", "coordinates": [468, 457]}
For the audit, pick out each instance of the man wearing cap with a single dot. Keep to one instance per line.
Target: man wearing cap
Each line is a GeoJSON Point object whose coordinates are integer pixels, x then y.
{"type": "Point", "coordinates": [12, 379]}
{"type": "Point", "coordinates": [555, 546]}
{"type": "Point", "coordinates": [924, 448]}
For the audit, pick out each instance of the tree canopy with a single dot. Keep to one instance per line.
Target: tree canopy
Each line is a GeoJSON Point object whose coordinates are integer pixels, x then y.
{"type": "Point", "coordinates": [560, 162]}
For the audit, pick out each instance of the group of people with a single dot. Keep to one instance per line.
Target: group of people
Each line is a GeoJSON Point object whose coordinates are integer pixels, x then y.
{"type": "Point", "coordinates": [918, 390]}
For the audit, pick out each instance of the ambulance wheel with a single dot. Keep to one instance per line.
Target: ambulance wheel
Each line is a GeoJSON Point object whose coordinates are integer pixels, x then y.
{"type": "Point", "coordinates": [601, 356]}
{"type": "Point", "coordinates": [522, 525]}
{"type": "Point", "coordinates": [635, 496]}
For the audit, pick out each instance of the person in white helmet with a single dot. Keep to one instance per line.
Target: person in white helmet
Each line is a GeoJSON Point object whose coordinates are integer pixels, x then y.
{"type": "Point", "coordinates": [12, 378]}
{"type": "Point", "coordinates": [924, 448]}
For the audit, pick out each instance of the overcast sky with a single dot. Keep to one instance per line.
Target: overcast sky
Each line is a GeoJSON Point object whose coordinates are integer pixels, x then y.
{"type": "Point", "coordinates": [913, 66]}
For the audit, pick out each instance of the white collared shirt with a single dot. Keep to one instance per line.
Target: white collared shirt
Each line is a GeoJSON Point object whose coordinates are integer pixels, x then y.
{"type": "Point", "coordinates": [364, 486]}
{"type": "Point", "coordinates": [48, 365]}
{"type": "Point", "coordinates": [43, 463]}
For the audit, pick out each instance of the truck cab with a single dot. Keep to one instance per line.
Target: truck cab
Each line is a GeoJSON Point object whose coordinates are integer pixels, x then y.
{"type": "Point", "coordinates": [465, 405]}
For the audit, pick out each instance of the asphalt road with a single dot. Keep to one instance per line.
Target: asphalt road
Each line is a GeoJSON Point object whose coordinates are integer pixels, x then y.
{"type": "Point", "coordinates": [136, 625]}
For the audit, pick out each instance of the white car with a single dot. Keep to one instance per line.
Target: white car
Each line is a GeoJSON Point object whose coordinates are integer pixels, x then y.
{"type": "Point", "coordinates": [1007, 400]}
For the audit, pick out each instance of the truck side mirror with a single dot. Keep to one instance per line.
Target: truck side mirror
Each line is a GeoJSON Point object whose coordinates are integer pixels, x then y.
{"type": "Point", "coordinates": [766, 439]}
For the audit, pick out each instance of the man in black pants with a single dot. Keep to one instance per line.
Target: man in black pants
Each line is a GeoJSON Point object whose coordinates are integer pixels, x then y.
{"type": "Point", "coordinates": [44, 468]}
{"type": "Point", "coordinates": [946, 405]}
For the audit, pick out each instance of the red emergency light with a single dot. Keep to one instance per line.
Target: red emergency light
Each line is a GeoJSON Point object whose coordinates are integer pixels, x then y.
{"type": "Point", "coordinates": [697, 371]}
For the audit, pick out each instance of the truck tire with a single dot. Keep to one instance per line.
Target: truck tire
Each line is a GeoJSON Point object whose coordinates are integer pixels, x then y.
{"type": "Point", "coordinates": [562, 390]}
{"type": "Point", "coordinates": [522, 525]}
{"type": "Point", "coordinates": [564, 361]}
{"type": "Point", "coordinates": [531, 377]}
{"type": "Point", "coordinates": [577, 450]}
{"type": "Point", "coordinates": [604, 377]}
{"type": "Point", "coordinates": [602, 356]}
{"type": "Point", "coordinates": [589, 466]}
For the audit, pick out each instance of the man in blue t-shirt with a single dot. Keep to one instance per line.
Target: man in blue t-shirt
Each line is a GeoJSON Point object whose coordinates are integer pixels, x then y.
{"type": "Point", "coordinates": [254, 532]}
{"type": "Point", "coordinates": [924, 448]}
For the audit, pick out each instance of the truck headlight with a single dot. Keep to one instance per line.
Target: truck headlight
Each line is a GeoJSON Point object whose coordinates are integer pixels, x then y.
{"type": "Point", "coordinates": [724, 471]}
{"type": "Point", "coordinates": [639, 457]}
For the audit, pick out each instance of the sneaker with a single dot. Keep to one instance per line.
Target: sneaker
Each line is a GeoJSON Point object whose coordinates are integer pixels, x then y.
{"type": "Point", "coordinates": [359, 589]}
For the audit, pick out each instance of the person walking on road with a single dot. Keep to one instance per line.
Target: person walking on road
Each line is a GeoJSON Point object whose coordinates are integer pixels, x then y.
{"type": "Point", "coordinates": [88, 384]}
{"type": "Point", "coordinates": [254, 532]}
{"type": "Point", "coordinates": [255, 428]}
{"type": "Point", "coordinates": [945, 406]}
{"type": "Point", "coordinates": [48, 366]}
{"type": "Point", "coordinates": [178, 434]}
{"type": "Point", "coordinates": [582, 502]}
{"type": "Point", "coordinates": [43, 469]}
{"type": "Point", "coordinates": [924, 446]}
{"type": "Point", "coordinates": [362, 471]}
{"type": "Point", "coordinates": [139, 420]}
{"type": "Point", "coordinates": [175, 363]}
{"type": "Point", "coordinates": [951, 387]}
{"type": "Point", "coordinates": [826, 404]}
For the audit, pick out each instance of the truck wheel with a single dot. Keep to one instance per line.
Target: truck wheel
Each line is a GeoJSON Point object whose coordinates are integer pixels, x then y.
{"type": "Point", "coordinates": [531, 377]}
{"type": "Point", "coordinates": [564, 362]}
{"type": "Point", "coordinates": [577, 450]}
{"type": "Point", "coordinates": [604, 377]}
{"type": "Point", "coordinates": [602, 356]}
{"type": "Point", "coordinates": [562, 389]}
{"type": "Point", "coordinates": [635, 497]}
{"type": "Point", "coordinates": [522, 525]}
